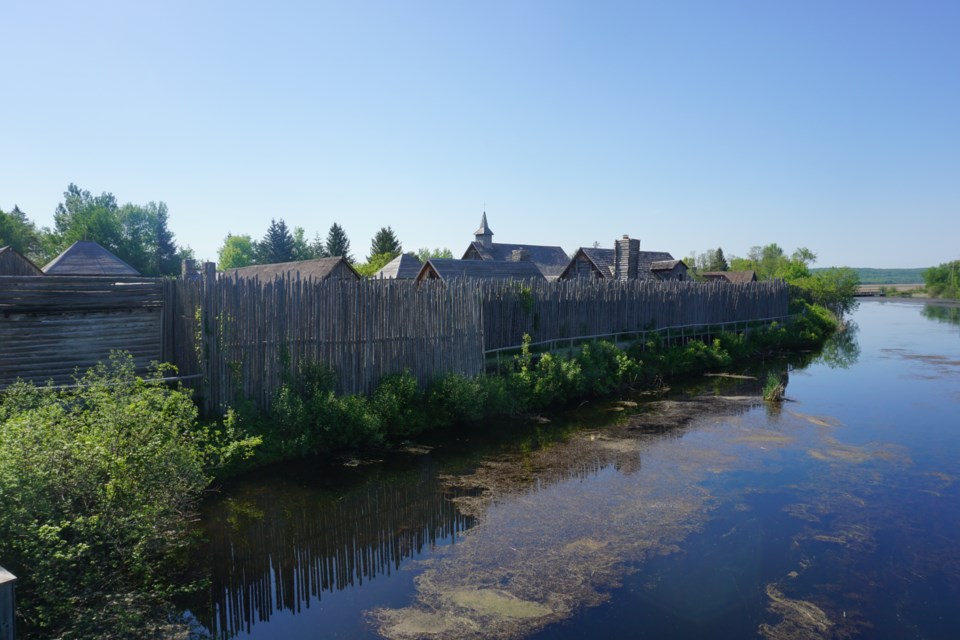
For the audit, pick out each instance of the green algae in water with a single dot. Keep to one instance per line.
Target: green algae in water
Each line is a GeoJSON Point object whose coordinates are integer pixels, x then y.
{"type": "Point", "coordinates": [558, 530]}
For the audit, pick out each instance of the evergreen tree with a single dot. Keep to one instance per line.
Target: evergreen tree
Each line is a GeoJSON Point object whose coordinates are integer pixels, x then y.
{"type": "Point", "coordinates": [720, 262]}
{"type": "Point", "coordinates": [17, 231]}
{"type": "Point", "coordinates": [337, 243]}
{"type": "Point", "coordinates": [385, 242]}
{"type": "Point", "coordinates": [277, 244]}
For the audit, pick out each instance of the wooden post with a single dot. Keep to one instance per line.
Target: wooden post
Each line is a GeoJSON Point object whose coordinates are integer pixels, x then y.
{"type": "Point", "coordinates": [8, 628]}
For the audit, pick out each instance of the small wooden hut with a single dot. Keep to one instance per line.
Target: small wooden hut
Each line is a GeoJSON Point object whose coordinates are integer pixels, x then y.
{"type": "Point", "coordinates": [447, 269]}
{"type": "Point", "coordinates": [14, 263]}
{"type": "Point", "coordinates": [403, 267]}
{"type": "Point", "coordinates": [317, 269]}
{"type": "Point", "coordinates": [87, 258]}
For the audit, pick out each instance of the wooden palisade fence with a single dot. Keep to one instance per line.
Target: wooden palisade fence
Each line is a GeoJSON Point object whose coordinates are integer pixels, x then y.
{"type": "Point", "coordinates": [254, 335]}
{"type": "Point", "coordinates": [549, 311]}
{"type": "Point", "coordinates": [242, 338]}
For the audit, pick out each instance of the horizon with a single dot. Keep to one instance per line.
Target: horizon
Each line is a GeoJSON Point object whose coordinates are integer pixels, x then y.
{"type": "Point", "coordinates": [690, 125]}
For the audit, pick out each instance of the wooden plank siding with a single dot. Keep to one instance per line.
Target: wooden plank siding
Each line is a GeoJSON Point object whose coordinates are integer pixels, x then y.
{"type": "Point", "coordinates": [53, 327]}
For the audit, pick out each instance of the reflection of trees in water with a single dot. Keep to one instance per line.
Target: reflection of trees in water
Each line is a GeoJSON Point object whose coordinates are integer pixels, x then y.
{"type": "Point", "coordinates": [949, 314]}
{"type": "Point", "coordinates": [278, 546]}
{"type": "Point", "coordinates": [842, 350]}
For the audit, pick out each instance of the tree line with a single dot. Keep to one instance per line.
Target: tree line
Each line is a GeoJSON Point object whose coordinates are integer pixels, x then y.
{"type": "Point", "coordinates": [140, 236]}
{"type": "Point", "coordinates": [137, 234]}
{"type": "Point", "coordinates": [832, 288]}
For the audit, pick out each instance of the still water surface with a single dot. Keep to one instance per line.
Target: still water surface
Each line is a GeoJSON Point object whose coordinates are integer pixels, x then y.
{"type": "Point", "coordinates": [703, 513]}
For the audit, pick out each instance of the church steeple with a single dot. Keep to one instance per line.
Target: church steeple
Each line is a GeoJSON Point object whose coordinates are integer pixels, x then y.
{"type": "Point", "coordinates": [483, 235]}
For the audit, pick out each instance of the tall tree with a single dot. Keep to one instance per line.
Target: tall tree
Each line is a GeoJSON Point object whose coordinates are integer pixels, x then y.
{"type": "Point", "coordinates": [137, 234]}
{"type": "Point", "coordinates": [277, 244]}
{"type": "Point", "coordinates": [385, 242]}
{"type": "Point", "coordinates": [237, 251]}
{"type": "Point", "coordinates": [302, 249]}
{"type": "Point", "coordinates": [19, 232]}
{"type": "Point", "coordinates": [337, 243]}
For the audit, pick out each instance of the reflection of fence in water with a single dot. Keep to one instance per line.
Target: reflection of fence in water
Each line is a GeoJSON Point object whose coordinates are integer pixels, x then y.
{"type": "Point", "coordinates": [273, 552]}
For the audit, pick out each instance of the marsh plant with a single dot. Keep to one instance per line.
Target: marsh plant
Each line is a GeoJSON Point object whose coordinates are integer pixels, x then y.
{"type": "Point", "coordinates": [774, 388]}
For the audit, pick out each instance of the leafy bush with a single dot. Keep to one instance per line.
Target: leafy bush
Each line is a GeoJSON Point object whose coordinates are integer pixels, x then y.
{"type": "Point", "coordinates": [96, 485]}
{"type": "Point", "coordinates": [399, 404]}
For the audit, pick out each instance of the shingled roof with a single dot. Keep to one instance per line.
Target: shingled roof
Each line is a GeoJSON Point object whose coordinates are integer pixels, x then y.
{"type": "Point", "coordinates": [87, 258]}
{"type": "Point", "coordinates": [403, 267]}
{"type": "Point", "coordinates": [449, 269]}
{"type": "Point", "coordinates": [14, 263]}
{"type": "Point", "coordinates": [603, 260]}
{"type": "Point", "coordinates": [550, 260]}
{"type": "Point", "coordinates": [733, 277]}
{"type": "Point", "coordinates": [317, 269]}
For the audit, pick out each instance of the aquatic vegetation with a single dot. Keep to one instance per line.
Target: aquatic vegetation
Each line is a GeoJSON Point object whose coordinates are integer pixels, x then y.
{"type": "Point", "coordinates": [532, 562]}
{"type": "Point", "coordinates": [773, 388]}
{"type": "Point", "coordinates": [800, 620]}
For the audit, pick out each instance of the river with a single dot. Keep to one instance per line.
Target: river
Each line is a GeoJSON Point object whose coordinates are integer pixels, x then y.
{"type": "Point", "coordinates": [702, 512]}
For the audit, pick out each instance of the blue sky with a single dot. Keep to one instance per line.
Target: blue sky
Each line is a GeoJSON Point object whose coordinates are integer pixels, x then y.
{"type": "Point", "coordinates": [832, 125]}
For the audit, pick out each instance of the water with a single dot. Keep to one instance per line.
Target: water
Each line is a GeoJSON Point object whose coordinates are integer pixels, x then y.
{"type": "Point", "coordinates": [703, 514]}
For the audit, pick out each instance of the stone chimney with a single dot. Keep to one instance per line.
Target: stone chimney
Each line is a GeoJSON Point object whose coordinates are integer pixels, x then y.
{"type": "Point", "coordinates": [520, 255]}
{"type": "Point", "coordinates": [626, 258]}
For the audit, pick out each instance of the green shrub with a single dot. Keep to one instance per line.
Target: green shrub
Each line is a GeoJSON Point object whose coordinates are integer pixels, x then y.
{"type": "Point", "coordinates": [97, 484]}
{"type": "Point", "coordinates": [399, 405]}
{"type": "Point", "coordinates": [454, 398]}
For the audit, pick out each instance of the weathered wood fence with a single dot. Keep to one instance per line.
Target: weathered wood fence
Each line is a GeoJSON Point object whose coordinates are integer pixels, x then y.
{"type": "Point", "coordinates": [549, 311]}
{"type": "Point", "coordinates": [50, 327]}
{"type": "Point", "coordinates": [254, 335]}
{"type": "Point", "coordinates": [242, 338]}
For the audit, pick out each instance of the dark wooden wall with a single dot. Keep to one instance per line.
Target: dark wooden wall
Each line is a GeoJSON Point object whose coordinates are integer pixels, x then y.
{"type": "Point", "coordinates": [52, 327]}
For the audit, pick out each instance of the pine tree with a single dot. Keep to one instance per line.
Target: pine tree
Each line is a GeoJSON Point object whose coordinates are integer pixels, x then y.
{"type": "Point", "coordinates": [720, 261]}
{"type": "Point", "coordinates": [277, 244]}
{"type": "Point", "coordinates": [337, 243]}
{"type": "Point", "coordinates": [385, 242]}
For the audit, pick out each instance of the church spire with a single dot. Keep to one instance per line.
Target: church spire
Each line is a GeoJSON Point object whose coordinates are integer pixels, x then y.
{"type": "Point", "coordinates": [483, 235]}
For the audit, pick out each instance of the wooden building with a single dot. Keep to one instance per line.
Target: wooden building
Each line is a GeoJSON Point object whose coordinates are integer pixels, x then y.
{"type": "Point", "coordinates": [733, 277]}
{"type": "Point", "coordinates": [14, 263]}
{"type": "Point", "coordinates": [317, 269]}
{"type": "Point", "coordinates": [624, 262]}
{"type": "Point", "coordinates": [669, 270]}
{"type": "Point", "coordinates": [447, 269]}
{"type": "Point", "coordinates": [87, 258]}
{"type": "Point", "coordinates": [403, 267]}
{"type": "Point", "coordinates": [551, 261]}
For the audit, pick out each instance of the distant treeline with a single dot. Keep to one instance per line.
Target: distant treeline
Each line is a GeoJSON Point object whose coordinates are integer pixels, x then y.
{"type": "Point", "coordinates": [887, 276]}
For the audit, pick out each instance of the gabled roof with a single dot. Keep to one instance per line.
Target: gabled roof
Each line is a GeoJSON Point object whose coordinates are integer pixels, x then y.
{"type": "Point", "coordinates": [449, 269]}
{"type": "Point", "coordinates": [403, 267]}
{"type": "Point", "coordinates": [665, 265]}
{"type": "Point", "coordinates": [14, 263]}
{"type": "Point", "coordinates": [550, 260]}
{"type": "Point", "coordinates": [603, 260]}
{"type": "Point", "coordinates": [733, 277]}
{"type": "Point", "coordinates": [317, 269]}
{"type": "Point", "coordinates": [87, 258]}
